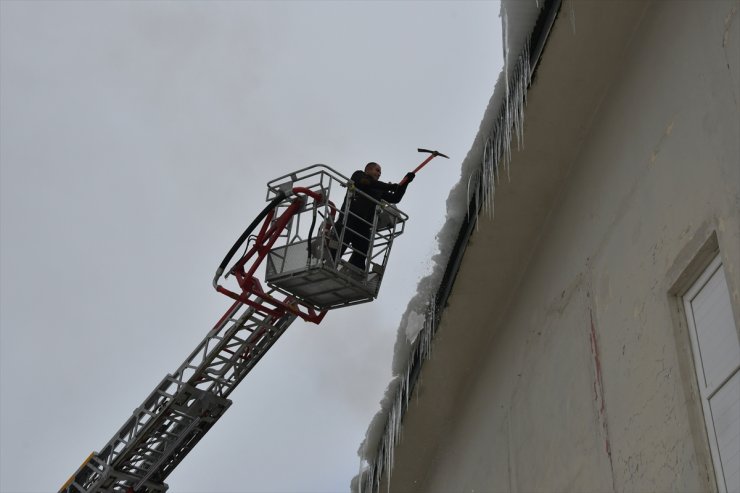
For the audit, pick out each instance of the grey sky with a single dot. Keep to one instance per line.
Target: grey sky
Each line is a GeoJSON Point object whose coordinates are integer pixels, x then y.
{"type": "Point", "coordinates": [136, 139]}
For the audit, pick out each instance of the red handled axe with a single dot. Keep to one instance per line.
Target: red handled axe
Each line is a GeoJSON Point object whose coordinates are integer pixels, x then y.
{"type": "Point", "coordinates": [432, 155]}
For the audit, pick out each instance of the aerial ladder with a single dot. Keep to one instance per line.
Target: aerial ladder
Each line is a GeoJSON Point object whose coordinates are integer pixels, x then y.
{"type": "Point", "coordinates": [299, 238]}
{"type": "Point", "coordinates": [301, 243]}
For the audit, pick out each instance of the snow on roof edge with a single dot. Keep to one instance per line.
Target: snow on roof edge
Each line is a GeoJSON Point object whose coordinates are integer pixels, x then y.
{"type": "Point", "coordinates": [502, 120]}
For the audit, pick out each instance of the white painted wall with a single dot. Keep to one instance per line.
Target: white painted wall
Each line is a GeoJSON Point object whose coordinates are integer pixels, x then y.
{"type": "Point", "coordinates": [585, 382]}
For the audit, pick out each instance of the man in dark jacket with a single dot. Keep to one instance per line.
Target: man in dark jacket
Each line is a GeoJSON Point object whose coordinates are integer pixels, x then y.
{"type": "Point", "coordinates": [362, 210]}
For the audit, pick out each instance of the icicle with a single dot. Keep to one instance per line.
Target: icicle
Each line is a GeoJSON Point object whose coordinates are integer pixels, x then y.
{"type": "Point", "coordinates": [397, 428]}
{"type": "Point", "coordinates": [388, 454]}
{"type": "Point", "coordinates": [360, 478]}
{"type": "Point", "coordinates": [490, 196]}
{"type": "Point", "coordinates": [467, 214]}
{"type": "Point", "coordinates": [481, 190]}
{"type": "Point", "coordinates": [490, 186]}
{"type": "Point", "coordinates": [485, 171]}
{"type": "Point", "coordinates": [524, 79]}
{"type": "Point", "coordinates": [497, 144]}
{"type": "Point", "coordinates": [432, 318]}
{"type": "Point", "coordinates": [429, 344]}
{"type": "Point", "coordinates": [485, 179]}
{"type": "Point", "coordinates": [477, 204]}
{"type": "Point", "coordinates": [467, 194]}
{"type": "Point", "coordinates": [504, 33]}
{"type": "Point", "coordinates": [507, 142]}
{"type": "Point", "coordinates": [572, 16]}
{"type": "Point", "coordinates": [408, 376]}
{"type": "Point", "coordinates": [423, 352]}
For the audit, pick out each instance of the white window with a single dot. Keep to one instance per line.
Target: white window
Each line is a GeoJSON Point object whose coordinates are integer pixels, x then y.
{"type": "Point", "coordinates": [716, 349]}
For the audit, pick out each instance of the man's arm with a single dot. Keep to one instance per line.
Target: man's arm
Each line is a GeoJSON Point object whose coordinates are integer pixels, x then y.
{"type": "Point", "coordinates": [396, 192]}
{"type": "Point", "coordinates": [364, 182]}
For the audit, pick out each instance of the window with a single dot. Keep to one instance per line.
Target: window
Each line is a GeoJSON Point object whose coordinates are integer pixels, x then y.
{"type": "Point", "coordinates": [714, 340]}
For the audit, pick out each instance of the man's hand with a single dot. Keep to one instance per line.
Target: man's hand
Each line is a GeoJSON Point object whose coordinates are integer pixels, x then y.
{"type": "Point", "coordinates": [410, 177]}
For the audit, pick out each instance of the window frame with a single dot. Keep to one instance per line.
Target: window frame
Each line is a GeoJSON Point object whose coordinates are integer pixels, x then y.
{"type": "Point", "coordinates": [705, 391]}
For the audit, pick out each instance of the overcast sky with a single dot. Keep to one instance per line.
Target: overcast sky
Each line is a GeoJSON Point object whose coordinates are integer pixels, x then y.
{"type": "Point", "coordinates": [136, 139]}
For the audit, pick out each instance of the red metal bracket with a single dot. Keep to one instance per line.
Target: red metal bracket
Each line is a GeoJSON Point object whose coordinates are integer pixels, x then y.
{"type": "Point", "coordinates": [253, 294]}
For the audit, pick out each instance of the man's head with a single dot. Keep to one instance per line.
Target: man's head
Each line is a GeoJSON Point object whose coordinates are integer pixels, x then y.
{"type": "Point", "coordinates": [373, 169]}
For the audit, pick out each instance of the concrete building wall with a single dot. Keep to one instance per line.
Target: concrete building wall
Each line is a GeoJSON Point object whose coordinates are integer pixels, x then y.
{"type": "Point", "coordinates": [586, 383]}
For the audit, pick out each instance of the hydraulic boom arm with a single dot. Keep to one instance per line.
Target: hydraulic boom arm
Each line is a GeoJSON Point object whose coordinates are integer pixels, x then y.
{"type": "Point", "coordinates": [308, 277]}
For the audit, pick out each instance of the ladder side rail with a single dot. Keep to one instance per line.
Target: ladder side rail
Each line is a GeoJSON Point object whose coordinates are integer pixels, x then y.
{"type": "Point", "coordinates": [224, 379]}
{"type": "Point", "coordinates": [102, 478]}
{"type": "Point", "coordinates": [170, 449]}
{"type": "Point", "coordinates": [209, 348]}
{"type": "Point", "coordinates": [265, 344]}
{"type": "Point", "coordinates": [179, 411]}
{"type": "Point", "coordinates": [152, 449]}
{"type": "Point", "coordinates": [136, 425]}
{"type": "Point", "coordinates": [120, 482]}
{"type": "Point", "coordinates": [202, 350]}
{"type": "Point", "coordinates": [156, 400]}
{"type": "Point", "coordinates": [175, 450]}
{"type": "Point", "coordinates": [141, 462]}
{"type": "Point", "coordinates": [217, 366]}
{"type": "Point", "coordinates": [230, 349]}
{"type": "Point", "coordinates": [223, 367]}
{"type": "Point", "coordinates": [139, 459]}
{"type": "Point", "coordinates": [159, 429]}
{"type": "Point", "coordinates": [188, 444]}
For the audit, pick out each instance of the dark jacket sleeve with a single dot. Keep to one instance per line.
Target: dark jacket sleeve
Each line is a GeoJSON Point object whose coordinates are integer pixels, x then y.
{"type": "Point", "coordinates": [364, 182]}
{"type": "Point", "coordinates": [380, 190]}
{"type": "Point", "coordinates": [395, 193]}
{"type": "Point", "coordinates": [358, 177]}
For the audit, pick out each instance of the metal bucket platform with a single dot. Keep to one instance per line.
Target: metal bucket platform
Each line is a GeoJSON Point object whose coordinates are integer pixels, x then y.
{"type": "Point", "coordinates": [316, 281]}
{"type": "Point", "coordinates": [310, 262]}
